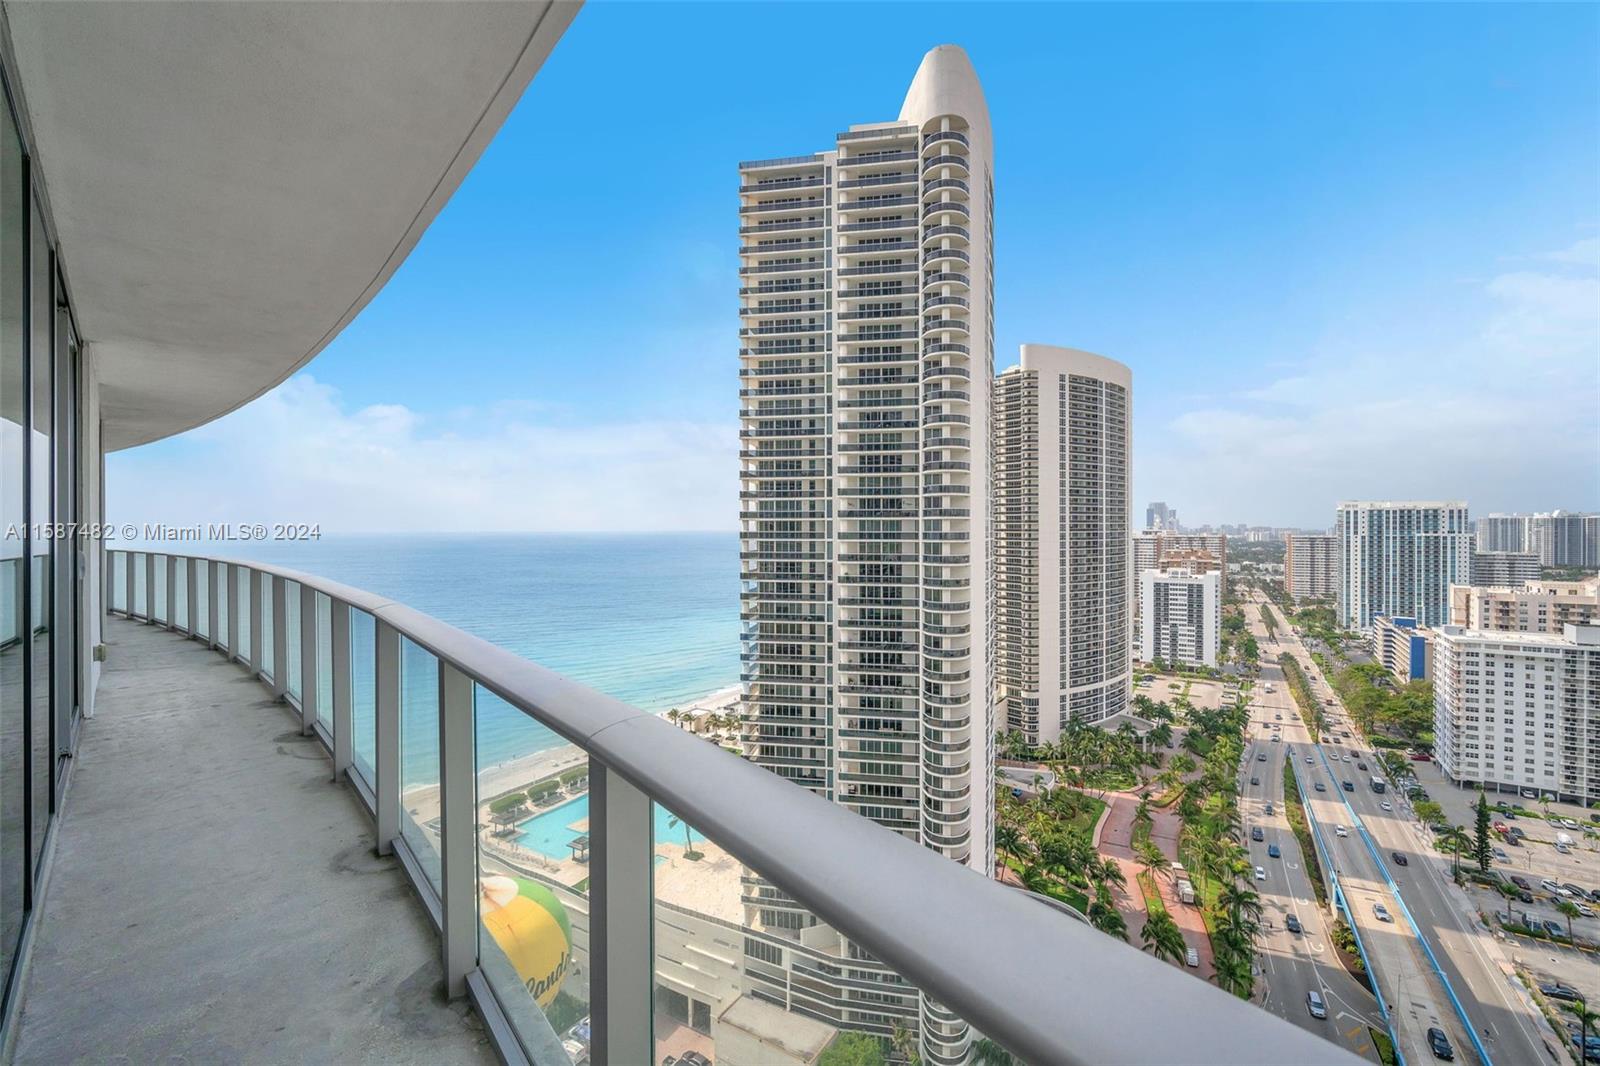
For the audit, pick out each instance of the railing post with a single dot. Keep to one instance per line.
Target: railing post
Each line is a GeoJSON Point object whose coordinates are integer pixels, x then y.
{"type": "Point", "coordinates": [172, 592]}
{"type": "Point", "coordinates": [308, 657]}
{"type": "Point", "coordinates": [109, 561]}
{"type": "Point", "coordinates": [233, 613]}
{"type": "Point", "coordinates": [621, 926]}
{"type": "Point", "coordinates": [258, 623]}
{"type": "Point", "coordinates": [127, 573]}
{"type": "Point", "coordinates": [192, 594]}
{"type": "Point", "coordinates": [386, 732]}
{"type": "Point", "coordinates": [339, 646]}
{"type": "Point", "coordinates": [150, 587]}
{"type": "Point", "coordinates": [212, 617]}
{"type": "Point", "coordinates": [280, 638]}
{"type": "Point", "coordinates": [458, 838]}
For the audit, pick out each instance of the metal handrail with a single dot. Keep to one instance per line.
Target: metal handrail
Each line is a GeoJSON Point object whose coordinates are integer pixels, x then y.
{"type": "Point", "coordinates": [1043, 985]}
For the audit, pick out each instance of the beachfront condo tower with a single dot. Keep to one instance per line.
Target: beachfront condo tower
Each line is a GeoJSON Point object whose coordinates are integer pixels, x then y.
{"type": "Point", "coordinates": [1399, 558]}
{"type": "Point", "coordinates": [1063, 587]}
{"type": "Point", "coordinates": [867, 339]}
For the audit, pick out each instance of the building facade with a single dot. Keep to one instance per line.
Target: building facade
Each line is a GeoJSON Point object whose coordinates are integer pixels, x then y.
{"type": "Point", "coordinates": [867, 310]}
{"type": "Point", "coordinates": [1535, 607]}
{"type": "Point", "coordinates": [1400, 558]}
{"type": "Point", "coordinates": [1504, 567]}
{"type": "Point", "coordinates": [1404, 649]}
{"type": "Point", "coordinates": [1519, 711]}
{"type": "Point", "coordinates": [1565, 538]}
{"type": "Point", "coordinates": [1502, 533]}
{"type": "Point", "coordinates": [1182, 614]}
{"type": "Point", "coordinates": [1310, 565]}
{"type": "Point", "coordinates": [1159, 516]}
{"type": "Point", "coordinates": [1063, 568]}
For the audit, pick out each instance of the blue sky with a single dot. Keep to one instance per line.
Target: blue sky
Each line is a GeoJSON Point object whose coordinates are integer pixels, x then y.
{"type": "Point", "coordinates": [1348, 250]}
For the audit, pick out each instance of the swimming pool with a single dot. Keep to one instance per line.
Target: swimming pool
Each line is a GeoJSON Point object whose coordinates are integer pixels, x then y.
{"type": "Point", "coordinates": [549, 832]}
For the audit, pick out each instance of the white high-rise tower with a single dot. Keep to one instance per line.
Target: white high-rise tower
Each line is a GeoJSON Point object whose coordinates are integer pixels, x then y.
{"type": "Point", "coordinates": [868, 337]}
{"type": "Point", "coordinates": [1063, 574]}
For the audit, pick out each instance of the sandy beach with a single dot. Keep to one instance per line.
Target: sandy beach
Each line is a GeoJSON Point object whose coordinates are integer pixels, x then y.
{"type": "Point", "coordinates": [524, 770]}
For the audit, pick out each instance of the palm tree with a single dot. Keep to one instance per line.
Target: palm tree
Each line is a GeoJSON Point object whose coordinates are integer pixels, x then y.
{"type": "Point", "coordinates": [1586, 1019]}
{"type": "Point", "coordinates": [904, 1043]}
{"type": "Point", "coordinates": [1455, 839]}
{"type": "Point", "coordinates": [1109, 872]}
{"type": "Point", "coordinates": [1570, 909]}
{"type": "Point", "coordinates": [1233, 973]}
{"type": "Point", "coordinates": [674, 716]}
{"type": "Point", "coordinates": [1007, 839]}
{"type": "Point", "coordinates": [1240, 901]}
{"type": "Point", "coordinates": [986, 1052]}
{"type": "Point", "coordinates": [1162, 937]}
{"type": "Point", "coordinates": [1152, 857]}
{"type": "Point", "coordinates": [673, 821]}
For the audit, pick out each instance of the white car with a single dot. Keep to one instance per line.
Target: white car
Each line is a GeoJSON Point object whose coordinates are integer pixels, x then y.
{"type": "Point", "coordinates": [1340, 831]}
{"type": "Point", "coordinates": [1386, 805]}
{"type": "Point", "coordinates": [1261, 873]}
{"type": "Point", "coordinates": [1191, 957]}
{"type": "Point", "coordinates": [1380, 912]}
{"type": "Point", "coordinates": [1587, 912]}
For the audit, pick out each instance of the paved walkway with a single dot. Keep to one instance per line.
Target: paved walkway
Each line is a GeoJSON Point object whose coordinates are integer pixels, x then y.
{"type": "Point", "coordinates": [1116, 841]}
{"type": "Point", "coordinates": [215, 898]}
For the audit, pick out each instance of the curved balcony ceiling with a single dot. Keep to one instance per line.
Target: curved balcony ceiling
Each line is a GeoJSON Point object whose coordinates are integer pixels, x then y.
{"type": "Point", "coordinates": [232, 183]}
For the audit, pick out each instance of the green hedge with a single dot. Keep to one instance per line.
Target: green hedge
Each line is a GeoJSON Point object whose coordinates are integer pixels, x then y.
{"type": "Point", "coordinates": [508, 803]}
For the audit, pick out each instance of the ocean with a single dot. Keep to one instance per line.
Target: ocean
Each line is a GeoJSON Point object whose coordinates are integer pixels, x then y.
{"type": "Point", "coordinates": [651, 619]}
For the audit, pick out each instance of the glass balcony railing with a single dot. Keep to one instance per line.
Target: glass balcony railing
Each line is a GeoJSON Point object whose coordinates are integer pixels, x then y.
{"type": "Point", "coordinates": [585, 862]}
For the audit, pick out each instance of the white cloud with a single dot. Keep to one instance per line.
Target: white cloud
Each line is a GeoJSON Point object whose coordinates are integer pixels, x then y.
{"type": "Point", "coordinates": [1504, 416]}
{"type": "Point", "coordinates": [299, 454]}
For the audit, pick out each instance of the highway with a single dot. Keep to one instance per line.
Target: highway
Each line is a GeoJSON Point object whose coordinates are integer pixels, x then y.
{"type": "Point", "coordinates": [1507, 1023]}
{"type": "Point", "coordinates": [1295, 964]}
{"type": "Point", "coordinates": [1416, 998]}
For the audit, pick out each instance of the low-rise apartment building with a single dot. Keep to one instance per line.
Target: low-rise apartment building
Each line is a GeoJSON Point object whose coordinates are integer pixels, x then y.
{"type": "Point", "coordinates": [1519, 711]}
{"type": "Point", "coordinates": [1404, 648]}
{"type": "Point", "coordinates": [1535, 607]}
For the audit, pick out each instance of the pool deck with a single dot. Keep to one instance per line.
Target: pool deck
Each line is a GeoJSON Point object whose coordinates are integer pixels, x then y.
{"type": "Point", "coordinates": [215, 897]}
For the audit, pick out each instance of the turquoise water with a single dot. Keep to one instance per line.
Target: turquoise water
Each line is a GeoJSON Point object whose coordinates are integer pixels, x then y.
{"type": "Point", "coordinates": [549, 832]}
{"type": "Point", "coordinates": [651, 619]}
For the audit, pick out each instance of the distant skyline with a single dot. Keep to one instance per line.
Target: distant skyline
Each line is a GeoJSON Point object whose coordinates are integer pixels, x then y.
{"type": "Point", "coordinates": [1349, 251]}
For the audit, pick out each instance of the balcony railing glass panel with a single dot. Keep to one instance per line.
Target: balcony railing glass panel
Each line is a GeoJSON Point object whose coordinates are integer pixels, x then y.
{"type": "Point", "coordinates": [141, 606]}
{"type": "Point", "coordinates": [241, 593]}
{"type": "Point", "coordinates": [221, 578]}
{"type": "Point", "coordinates": [324, 658]}
{"type": "Point", "coordinates": [160, 598]}
{"type": "Point", "coordinates": [202, 585]}
{"type": "Point", "coordinates": [419, 756]}
{"type": "Point", "coordinates": [180, 592]}
{"type": "Point", "coordinates": [291, 651]}
{"type": "Point", "coordinates": [363, 697]}
{"type": "Point", "coordinates": [268, 651]}
{"type": "Point", "coordinates": [533, 878]}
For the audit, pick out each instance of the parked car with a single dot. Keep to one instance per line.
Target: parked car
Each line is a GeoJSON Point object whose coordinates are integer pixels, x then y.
{"type": "Point", "coordinates": [1553, 887]}
{"type": "Point", "coordinates": [1577, 892]}
{"type": "Point", "coordinates": [1292, 924]}
{"type": "Point", "coordinates": [1191, 957]}
{"type": "Point", "coordinates": [1520, 881]}
{"type": "Point", "coordinates": [1439, 1044]}
{"type": "Point", "coordinates": [1557, 990]}
{"type": "Point", "coordinates": [1500, 854]}
{"type": "Point", "coordinates": [1399, 858]}
{"type": "Point", "coordinates": [693, 1058]}
{"type": "Point", "coordinates": [1380, 912]}
{"type": "Point", "coordinates": [1315, 1005]}
{"type": "Point", "coordinates": [1528, 793]}
{"type": "Point", "coordinates": [1272, 851]}
{"type": "Point", "coordinates": [1524, 896]}
{"type": "Point", "coordinates": [1553, 928]}
{"type": "Point", "coordinates": [1584, 909]}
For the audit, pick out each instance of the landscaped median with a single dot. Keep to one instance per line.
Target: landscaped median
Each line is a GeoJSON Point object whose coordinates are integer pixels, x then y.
{"type": "Point", "coordinates": [1302, 832]}
{"type": "Point", "coordinates": [1310, 709]}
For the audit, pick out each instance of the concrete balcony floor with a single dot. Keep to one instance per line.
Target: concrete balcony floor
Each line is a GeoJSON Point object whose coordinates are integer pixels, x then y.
{"type": "Point", "coordinates": [216, 898]}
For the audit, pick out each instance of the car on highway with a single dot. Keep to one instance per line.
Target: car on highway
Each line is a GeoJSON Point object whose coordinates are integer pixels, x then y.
{"type": "Point", "coordinates": [1361, 766]}
{"type": "Point", "coordinates": [1349, 786]}
{"type": "Point", "coordinates": [1557, 990]}
{"type": "Point", "coordinates": [1273, 852]}
{"type": "Point", "coordinates": [1315, 1005]}
{"type": "Point", "coordinates": [1256, 833]}
{"type": "Point", "coordinates": [1345, 758]}
{"type": "Point", "coordinates": [1292, 924]}
{"type": "Point", "coordinates": [1261, 756]}
{"type": "Point", "coordinates": [1439, 1044]}
{"type": "Point", "coordinates": [1380, 912]}
{"type": "Point", "coordinates": [1321, 787]}
{"type": "Point", "coordinates": [1399, 858]}
{"type": "Point", "coordinates": [1340, 831]}
{"type": "Point", "coordinates": [1261, 873]}
{"type": "Point", "coordinates": [1276, 738]}
{"type": "Point", "coordinates": [1255, 780]}
{"type": "Point", "coordinates": [1269, 808]}
{"type": "Point", "coordinates": [1277, 718]}
{"type": "Point", "coordinates": [1308, 760]}
{"type": "Point", "coordinates": [1191, 957]}
{"type": "Point", "coordinates": [1386, 805]}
